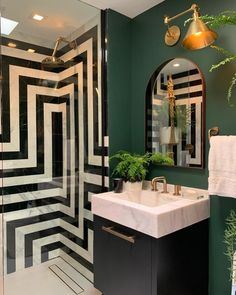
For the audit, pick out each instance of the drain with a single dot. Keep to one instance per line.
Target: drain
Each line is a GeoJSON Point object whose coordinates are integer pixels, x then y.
{"type": "Point", "coordinates": [67, 280]}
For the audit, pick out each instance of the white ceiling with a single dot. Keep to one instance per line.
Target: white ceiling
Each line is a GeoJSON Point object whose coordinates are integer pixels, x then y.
{"type": "Point", "coordinates": [62, 17]}
{"type": "Point", "coordinates": [130, 8]}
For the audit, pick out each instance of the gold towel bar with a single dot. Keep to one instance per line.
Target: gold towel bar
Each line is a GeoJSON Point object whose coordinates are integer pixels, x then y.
{"type": "Point", "coordinates": [213, 132]}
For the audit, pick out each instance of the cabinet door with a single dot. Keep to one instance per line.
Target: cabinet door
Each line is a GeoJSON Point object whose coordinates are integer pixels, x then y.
{"type": "Point", "coordinates": [180, 262]}
{"type": "Point", "coordinates": [120, 266]}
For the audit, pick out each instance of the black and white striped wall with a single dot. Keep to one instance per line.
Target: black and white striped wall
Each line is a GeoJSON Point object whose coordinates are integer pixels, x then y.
{"type": "Point", "coordinates": [53, 151]}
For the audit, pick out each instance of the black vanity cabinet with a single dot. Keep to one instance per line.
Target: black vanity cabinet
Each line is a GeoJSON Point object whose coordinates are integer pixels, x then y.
{"type": "Point", "coordinates": [120, 266]}
{"type": "Point", "coordinates": [176, 264]}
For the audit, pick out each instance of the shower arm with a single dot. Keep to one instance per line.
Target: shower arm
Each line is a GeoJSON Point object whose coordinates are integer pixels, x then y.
{"type": "Point", "coordinates": [62, 39]}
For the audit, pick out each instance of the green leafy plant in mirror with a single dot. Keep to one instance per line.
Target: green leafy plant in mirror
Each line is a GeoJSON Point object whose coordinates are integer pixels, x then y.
{"type": "Point", "coordinates": [160, 159]}
{"type": "Point", "coordinates": [230, 240]}
{"type": "Point", "coordinates": [216, 22]}
{"type": "Point", "coordinates": [182, 116]}
{"type": "Point", "coordinates": [134, 167]}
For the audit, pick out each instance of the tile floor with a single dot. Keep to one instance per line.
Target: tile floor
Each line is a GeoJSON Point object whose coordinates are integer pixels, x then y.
{"type": "Point", "coordinates": [54, 277]}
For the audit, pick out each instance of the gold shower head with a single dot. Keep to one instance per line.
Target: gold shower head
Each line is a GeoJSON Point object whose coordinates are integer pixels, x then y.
{"type": "Point", "coordinates": [56, 61]}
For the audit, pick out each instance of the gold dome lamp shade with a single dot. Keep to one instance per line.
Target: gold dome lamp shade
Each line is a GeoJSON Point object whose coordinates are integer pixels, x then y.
{"type": "Point", "coordinates": [198, 35]}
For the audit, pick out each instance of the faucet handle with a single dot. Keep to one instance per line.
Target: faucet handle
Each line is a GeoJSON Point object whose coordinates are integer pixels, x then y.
{"type": "Point", "coordinates": [177, 189]}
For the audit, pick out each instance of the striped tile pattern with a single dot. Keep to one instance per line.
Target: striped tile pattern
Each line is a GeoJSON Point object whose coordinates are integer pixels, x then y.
{"type": "Point", "coordinates": [53, 154]}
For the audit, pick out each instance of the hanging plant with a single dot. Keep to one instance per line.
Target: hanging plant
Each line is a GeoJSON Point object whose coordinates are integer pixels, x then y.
{"type": "Point", "coordinates": [216, 22]}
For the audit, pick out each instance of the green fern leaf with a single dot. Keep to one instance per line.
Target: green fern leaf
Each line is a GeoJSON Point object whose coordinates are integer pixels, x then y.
{"type": "Point", "coordinates": [230, 240]}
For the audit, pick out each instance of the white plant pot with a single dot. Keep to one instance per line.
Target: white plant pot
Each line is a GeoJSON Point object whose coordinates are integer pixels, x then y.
{"type": "Point", "coordinates": [165, 134]}
{"type": "Point", "coordinates": [132, 186]}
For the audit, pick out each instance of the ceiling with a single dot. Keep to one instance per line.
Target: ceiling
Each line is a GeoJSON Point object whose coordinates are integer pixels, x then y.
{"type": "Point", "coordinates": [62, 18]}
{"type": "Point", "coordinates": [130, 8]}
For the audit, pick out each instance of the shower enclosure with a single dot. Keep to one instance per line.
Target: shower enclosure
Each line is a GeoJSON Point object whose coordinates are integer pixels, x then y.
{"type": "Point", "coordinates": [53, 145]}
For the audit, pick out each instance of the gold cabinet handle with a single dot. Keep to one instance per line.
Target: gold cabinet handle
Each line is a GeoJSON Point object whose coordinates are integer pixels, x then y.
{"type": "Point", "coordinates": [110, 230]}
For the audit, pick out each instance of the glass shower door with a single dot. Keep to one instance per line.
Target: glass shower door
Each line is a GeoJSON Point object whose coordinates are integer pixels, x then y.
{"type": "Point", "coordinates": [1, 225]}
{"type": "Point", "coordinates": [1, 196]}
{"type": "Point", "coordinates": [53, 153]}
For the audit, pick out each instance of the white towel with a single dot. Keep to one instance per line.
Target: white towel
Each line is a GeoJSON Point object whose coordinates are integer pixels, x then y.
{"type": "Point", "coordinates": [222, 166]}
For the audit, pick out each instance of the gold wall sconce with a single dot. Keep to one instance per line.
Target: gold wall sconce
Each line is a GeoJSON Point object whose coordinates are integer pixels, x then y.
{"type": "Point", "coordinates": [198, 35]}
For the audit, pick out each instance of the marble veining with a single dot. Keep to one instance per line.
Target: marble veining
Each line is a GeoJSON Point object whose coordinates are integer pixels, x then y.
{"type": "Point", "coordinates": [154, 218]}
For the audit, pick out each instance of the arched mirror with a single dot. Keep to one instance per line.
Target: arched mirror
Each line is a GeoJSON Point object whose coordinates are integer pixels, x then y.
{"type": "Point", "coordinates": [175, 112]}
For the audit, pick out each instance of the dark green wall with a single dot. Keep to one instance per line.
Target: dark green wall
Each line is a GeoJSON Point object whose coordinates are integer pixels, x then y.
{"type": "Point", "coordinates": [149, 51]}
{"type": "Point", "coordinates": [145, 47]}
{"type": "Point", "coordinates": [118, 81]}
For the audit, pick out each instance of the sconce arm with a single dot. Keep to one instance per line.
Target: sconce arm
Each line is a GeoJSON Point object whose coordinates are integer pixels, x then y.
{"type": "Point", "coordinates": [194, 8]}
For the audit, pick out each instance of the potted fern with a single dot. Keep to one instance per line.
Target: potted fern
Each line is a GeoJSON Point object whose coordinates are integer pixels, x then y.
{"type": "Point", "coordinates": [133, 168]}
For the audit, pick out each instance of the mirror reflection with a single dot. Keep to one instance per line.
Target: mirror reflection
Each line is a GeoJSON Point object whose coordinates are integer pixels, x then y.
{"type": "Point", "coordinates": [175, 111]}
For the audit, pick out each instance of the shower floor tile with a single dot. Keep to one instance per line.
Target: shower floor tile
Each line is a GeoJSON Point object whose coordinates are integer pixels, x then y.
{"type": "Point", "coordinates": [41, 279]}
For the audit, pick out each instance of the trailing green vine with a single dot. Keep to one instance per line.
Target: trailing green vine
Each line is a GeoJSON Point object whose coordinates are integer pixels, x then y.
{"type": "Point", "coordinates": [232, 84]}
{"type": "Point", "coordinates": [230, 241]}
{"type": "Point", "coordinates": [230, 57]}
{"type": "Point", "coordinates": [224, 18]}
{"type": "Point", "coordinates": [215, 22]}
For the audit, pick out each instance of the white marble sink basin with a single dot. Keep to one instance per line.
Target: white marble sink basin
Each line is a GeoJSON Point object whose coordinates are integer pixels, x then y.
{"type": "Point", "coordinates": [147, 198]}
{"type": "Point", "coordinates": [193, 194]}
{"type": "Point", "coordinates": [153, 213]}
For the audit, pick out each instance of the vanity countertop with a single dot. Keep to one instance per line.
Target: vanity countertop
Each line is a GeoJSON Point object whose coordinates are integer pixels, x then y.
{"type": "Point", "coordinates": [153, 213]}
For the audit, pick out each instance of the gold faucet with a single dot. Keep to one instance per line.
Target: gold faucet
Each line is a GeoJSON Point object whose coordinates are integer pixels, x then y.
{"type": "Point", "coordinates": [157, 179]}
